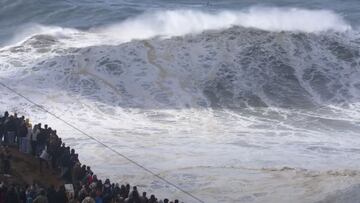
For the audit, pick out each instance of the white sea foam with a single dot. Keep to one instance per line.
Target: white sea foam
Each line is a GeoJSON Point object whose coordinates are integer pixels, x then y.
{"type": "Point", "coordinates": [28, 30]}
{"type": "Point", "coordinates": [169, 23]}
{"type": "Point", "coordinates": [182, 22]}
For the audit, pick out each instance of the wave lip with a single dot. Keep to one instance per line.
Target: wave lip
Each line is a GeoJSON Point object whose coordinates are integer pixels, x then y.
{"type": "Point", "coordinates": [293, 19]}
{"type": "Point", "coordinates": [181, 22]}
{"type": "Point", "coordinates": [170, 23]}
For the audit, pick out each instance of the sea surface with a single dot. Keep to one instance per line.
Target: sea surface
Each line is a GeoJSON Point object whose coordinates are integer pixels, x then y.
{"type": "Point", "coordinates": [232, 101]}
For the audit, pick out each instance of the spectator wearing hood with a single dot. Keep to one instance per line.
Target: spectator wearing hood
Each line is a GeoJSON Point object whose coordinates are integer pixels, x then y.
{"type": "Point", "coordinates": [107, 191]}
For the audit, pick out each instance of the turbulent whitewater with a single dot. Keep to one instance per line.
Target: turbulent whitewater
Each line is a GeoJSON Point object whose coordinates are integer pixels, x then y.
{"type": "Point", "coordinates": [256, 105]}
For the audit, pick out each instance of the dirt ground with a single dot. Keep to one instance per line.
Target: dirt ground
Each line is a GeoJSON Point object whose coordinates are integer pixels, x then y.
{"type": "Point", "coordinates": [25, 170]}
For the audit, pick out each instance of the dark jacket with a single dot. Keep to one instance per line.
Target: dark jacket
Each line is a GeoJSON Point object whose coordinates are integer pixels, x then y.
{"type": "Point", "coordinates": [61, 197]}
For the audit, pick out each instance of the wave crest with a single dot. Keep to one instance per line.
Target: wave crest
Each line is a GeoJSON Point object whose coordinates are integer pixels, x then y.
{"type": "Point", "coordinates": [182, 22]}
{"type": "Point", "coordinates": [171, 23]}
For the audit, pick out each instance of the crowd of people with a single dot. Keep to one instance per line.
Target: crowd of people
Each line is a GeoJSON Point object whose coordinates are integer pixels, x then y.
{"type": "Point", "coordinates": [83, 186]}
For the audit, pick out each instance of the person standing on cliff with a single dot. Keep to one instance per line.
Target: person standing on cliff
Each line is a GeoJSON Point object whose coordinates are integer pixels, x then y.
{"type": "Point", "coordinates": [22, 132]}
{"type": "Point", "coordinates": [10, 133]}
{"type": "Point", "coordinates": [34, 136]}
{"type": "Point", "coordinates": [5, 161]}
{"type": "Point", "coordinates": [27, 140]}
{"type": "Point", "coordinates": [44, 157]}
{"type": "Point", "coordinates": [3, 121]}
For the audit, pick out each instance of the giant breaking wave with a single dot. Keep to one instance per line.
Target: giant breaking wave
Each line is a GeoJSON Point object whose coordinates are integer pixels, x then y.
{"type": "Point", "coordinates": [239, 66]}
{"type": "Point", "coordinates": [158, 80]}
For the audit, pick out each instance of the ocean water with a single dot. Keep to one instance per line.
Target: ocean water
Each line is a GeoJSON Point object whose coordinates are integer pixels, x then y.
{"type": "Point", "coordinates": [233, 101]}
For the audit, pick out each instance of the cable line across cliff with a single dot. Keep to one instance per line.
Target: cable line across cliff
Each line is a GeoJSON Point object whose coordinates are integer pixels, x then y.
{"type": "Point", "coordinates": [103, 144]}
